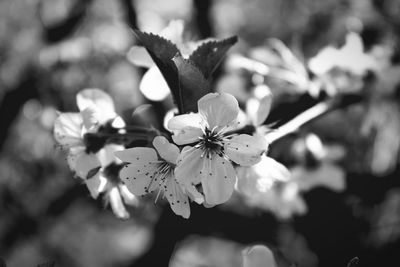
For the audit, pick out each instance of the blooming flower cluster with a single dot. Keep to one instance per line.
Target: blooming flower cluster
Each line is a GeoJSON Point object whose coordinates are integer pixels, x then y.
{"type": "Point", "coordinates": [198, 157]}
{"type": "Point", "coordinates": [199, 165]}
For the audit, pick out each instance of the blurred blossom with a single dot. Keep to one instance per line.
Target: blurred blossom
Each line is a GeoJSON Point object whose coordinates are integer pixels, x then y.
{"type": "Point", "coordinates": [324, 172]}
{"type": "Point", "coordinates": [152, 15]}
{"type": "Point", "coordinates": [282, 199]}
{"type": "Point", "coordinates": [234, 84]}
{"type": "Point", "coordinates": [123, 79]}
{"type": "Point", "coordinates": [267, 185]}
{"type": "Point", "coordinates": [112, 241]}
{"type": "Point", "coordinates": [350, 57]}
{"type": "Point", "coordinates": [282, 63]}
{"type": "Point", "coordinates": [258, 256]}
{"type": "Point", "coordinates": [340, 70]}
{"type": "Point", "coordinates": [54, 11]}
{"type": "Point", "coordinates": [326, 175]}
{"type": "Point", "coordinates": [196, 251]}
{"type": "Point", "coordinates": [382, 121]}
{"type": "Point", "coordinates": [73, 50]}
{"type": "Point", "coordinates": [260, 178]}
{"type": "Point", "coordinates": [275, 65]}
{"type": "Point", "coordinates": [111, 38]}
{"type": "Point", "coordinates": [295, 248]}
{"type": "Point", "coordinates": [385, 220]}
{"type": "Point", "coordinates": [98, 167]}
{"type": "Point", "coordinates": [257, 109]}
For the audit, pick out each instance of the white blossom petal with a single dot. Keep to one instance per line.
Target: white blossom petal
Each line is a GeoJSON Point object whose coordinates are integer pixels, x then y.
{"type": "Point", "coordinates": [245, 149]}
{"type": "Point", "coordinates": [218, 179]}
{"type": "Point", "coordinates": [137, 155]}
{"type": "Point", "coordinates": [258, 110]}
{"type": "Point", "coordinates": [193, 193]}
{"type": "Point", "coordinates": [177, 199]}
{"type": "Point", "coordinates": [186, 128]}
{"type": "Point", "coordinates": [96, 184]}
{"type": "Point", "coordinates": [106, 154]}
{"type": "Point", "coordinates": [91, 118]}
{"type": "Point", "coordinates": [97, 98]}
{"type": "Point", "coordinates": [219, 110]}
{"type": "Point", "coordinates": [81, 162]}
{"type": "Point", "coordinates": [68, 129]}
{"type": "Point", "coordinates": [168, 116]}
{"type": "Point", "coordinates": [139, 56]}
{"type": "Point", "coordinates": [141, 178]}
{"type": "Point", "coordinates": [116, 203]}
{"type": "Point", "coordinates": [189, 166]}
{"type": "Point", "coordinates": [127, 196]}
{"type": "Point", "coordinates": [273, 169]}
{"type": "Point", "coordinates": [153, 85]}
{"type": "Point", "coordinates": [165, 149]}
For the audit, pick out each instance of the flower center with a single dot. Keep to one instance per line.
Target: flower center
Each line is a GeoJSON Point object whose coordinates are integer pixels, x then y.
{"type": "Point", "coordinates": [163, 171]}
{"type": "Point", "coordinates": [211, 142]}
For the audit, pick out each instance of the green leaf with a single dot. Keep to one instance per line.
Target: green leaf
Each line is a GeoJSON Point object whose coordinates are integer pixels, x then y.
{"type": "Point", "coordinates": [192, 84]}
{"type": "Point", "coordinates": [162, 52]}
{"type": "Point", "coordinates": [209, 55]}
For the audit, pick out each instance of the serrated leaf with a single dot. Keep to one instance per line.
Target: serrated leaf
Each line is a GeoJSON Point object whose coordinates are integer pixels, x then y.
{"type": "Point", "coordinates": [209, 55]}
{"type": "Point", "coordinates": [192, 84]}
{"type": "Point", "coordinates": [162, 52]}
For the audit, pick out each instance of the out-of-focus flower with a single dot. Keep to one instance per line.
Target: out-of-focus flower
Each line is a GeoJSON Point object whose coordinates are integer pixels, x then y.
{"type": "Point", "coordinates": [89, 158]}
{"type": "Point", "coordinates": [258, 256]}
{"type": "Point", "coordinates": [382, 120]}
{"type": "Point", "coordinates": [153, 85]}
{"type": "Point", "coordinates": [260, 178]}
{"type": "Point", "coordinates": [208, 160]}
{"type": "Point", "coordinates": [281, 198]}
{"type": "Point", "coordinates": [147, 172]}
{"type": "Point", "coordinates": [350, 57]}
{"type": "Point", "coordinates": [385, 219]}
{"type": "Point", "coordinates": [266, 185]}
{"type": "Point", "coordinates": [325, 173]}
{"type": "Point", "coordinates": [258, 107]}
{"type": "Point", "coordinates": [340, 70]}
{"type": "Point", "coordinates": [285, 73]}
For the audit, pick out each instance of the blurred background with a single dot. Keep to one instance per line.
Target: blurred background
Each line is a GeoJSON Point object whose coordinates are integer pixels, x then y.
{"type": "Point", "coordinates": [343, 202]}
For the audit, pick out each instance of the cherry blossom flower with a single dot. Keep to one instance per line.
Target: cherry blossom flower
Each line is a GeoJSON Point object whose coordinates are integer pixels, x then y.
{"type": "Point", "coordinates": [90, 159]}
{"type": "Point", "coordinates": [208, 160]}
{"type": "Point", "coordinates": [147, 172]}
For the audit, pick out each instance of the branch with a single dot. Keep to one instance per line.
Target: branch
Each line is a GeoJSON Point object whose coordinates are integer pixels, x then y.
{"type": "Point", "coordinates": [309, 115]}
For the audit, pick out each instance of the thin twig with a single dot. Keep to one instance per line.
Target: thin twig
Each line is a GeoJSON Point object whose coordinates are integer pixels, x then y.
{"type": "Point", "coordinates": [301, 119]}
